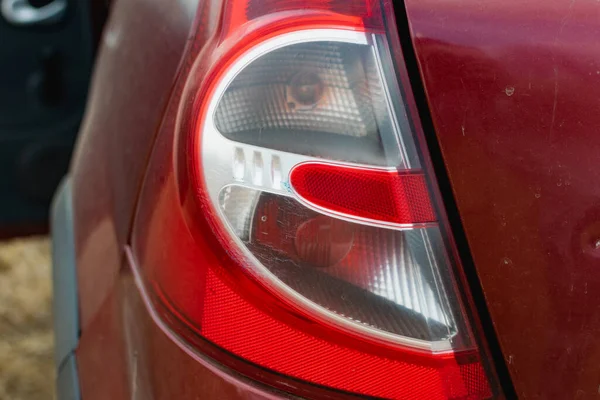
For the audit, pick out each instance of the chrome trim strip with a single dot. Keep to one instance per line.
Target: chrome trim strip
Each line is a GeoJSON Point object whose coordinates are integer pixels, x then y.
{"type": "Point", "coordinates": [64, 273]}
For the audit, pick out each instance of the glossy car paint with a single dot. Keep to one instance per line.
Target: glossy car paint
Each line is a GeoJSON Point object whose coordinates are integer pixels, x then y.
{"type": "Point", "coordinates": [137, 66]}
{"type": "Point", "coordinates": [513, 93]}
{"type": "Point", "coordinates": [136, 69]}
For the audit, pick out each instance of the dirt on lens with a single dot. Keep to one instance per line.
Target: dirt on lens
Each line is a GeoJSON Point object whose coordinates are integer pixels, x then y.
{"type": "Point", "coordinates": [26, 340]}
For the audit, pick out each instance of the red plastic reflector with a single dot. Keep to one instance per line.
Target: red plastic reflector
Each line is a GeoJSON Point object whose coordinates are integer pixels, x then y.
{"type": "Point", "coordinates": [365, 193]}
{"type": "Point", "coordinates": [238, 326]}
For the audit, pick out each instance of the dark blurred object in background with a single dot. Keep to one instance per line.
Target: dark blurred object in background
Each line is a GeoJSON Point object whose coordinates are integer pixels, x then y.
{"type": "Point", "coordinates": [46, 53]}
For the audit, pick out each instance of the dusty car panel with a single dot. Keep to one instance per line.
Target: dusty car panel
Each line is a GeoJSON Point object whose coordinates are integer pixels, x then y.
{"type": "Point", "coordinates": [512, 88]}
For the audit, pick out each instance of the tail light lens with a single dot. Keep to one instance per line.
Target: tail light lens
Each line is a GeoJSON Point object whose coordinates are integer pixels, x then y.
{"type": "Point", "coordinates": [298, 228]}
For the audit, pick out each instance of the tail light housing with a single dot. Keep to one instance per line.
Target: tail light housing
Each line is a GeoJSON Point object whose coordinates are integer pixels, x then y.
{"type": "Point", "coordinates": [290, 227]}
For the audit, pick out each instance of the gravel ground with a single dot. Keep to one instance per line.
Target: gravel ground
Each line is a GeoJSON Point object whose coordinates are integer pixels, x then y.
{"type": "Point", "coordinates": [26, 341]}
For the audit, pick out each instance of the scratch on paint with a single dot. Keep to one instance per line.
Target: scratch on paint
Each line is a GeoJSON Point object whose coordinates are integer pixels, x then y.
{"type": "Point", "coordinates": [563, 22]}
{"type": "Point", "coordinates": [555, 99]}
{"type": "Point", "coordinates": [464, 121]}
{"type": "Point", "coordinates": [465, 110]}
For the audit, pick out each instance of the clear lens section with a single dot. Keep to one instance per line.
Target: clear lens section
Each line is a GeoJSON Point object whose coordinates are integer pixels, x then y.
{"type": "Point", "coordinates": [384, 280]}
{"type": "Point", "coordinates": [322, 99]}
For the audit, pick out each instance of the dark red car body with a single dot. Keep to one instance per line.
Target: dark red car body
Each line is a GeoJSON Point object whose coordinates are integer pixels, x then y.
{"type": "Point", "coordinates": [512, 89]}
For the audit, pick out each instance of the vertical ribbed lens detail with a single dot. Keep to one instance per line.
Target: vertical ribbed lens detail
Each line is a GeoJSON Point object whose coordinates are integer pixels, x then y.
{"type": "Point", "coordinates": [238, 205]}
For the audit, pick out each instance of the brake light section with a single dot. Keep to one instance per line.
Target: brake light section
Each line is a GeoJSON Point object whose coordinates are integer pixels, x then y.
{"type": "Point", "coordinates": [396, 198]}
{"type": "Point", "coordinates": [295, 225]}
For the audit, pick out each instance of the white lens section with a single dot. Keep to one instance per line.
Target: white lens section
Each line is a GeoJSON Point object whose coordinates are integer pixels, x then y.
{"type": "Point", "coordinates": [319, 87]}
{"type": "Point", "coordinates": [322, 99]}
{"type": "Point", "coordinates": [238, 206]}
{"type": "Point", "coordinates": [400, 266]}
{"type": "Point", "coordinates": [384, 280]}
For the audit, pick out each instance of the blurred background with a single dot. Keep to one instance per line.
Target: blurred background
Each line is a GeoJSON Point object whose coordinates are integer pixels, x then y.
{"type": "Point", "coordinates": [47, 49]}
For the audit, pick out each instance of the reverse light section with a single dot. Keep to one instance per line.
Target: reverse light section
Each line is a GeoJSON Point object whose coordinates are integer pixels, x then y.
{"type": "Point", "coordinates": [307, 87]}
{"type": "Point", "coordinates": [327, 94]}
{"type": "Point", "coordinates": [385, 280]}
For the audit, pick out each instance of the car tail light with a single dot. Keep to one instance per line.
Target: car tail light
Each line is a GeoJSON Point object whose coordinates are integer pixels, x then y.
{"type": "Point", "coordinates": [320, 251]}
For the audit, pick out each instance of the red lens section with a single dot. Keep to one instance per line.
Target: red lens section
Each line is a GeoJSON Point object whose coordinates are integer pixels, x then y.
{"type": "Point", "coordinates": [365, 193]}
{"type": "Point", "coordinates": [255, 335]}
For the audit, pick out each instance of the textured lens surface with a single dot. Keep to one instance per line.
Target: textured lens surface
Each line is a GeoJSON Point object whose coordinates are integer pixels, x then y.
{"type": "Point", "coordinates": [323, 99]}
{"type": "Point", "coordinates": [381, 278]}
{"type": "Point", "coordinates": [380, 195]}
